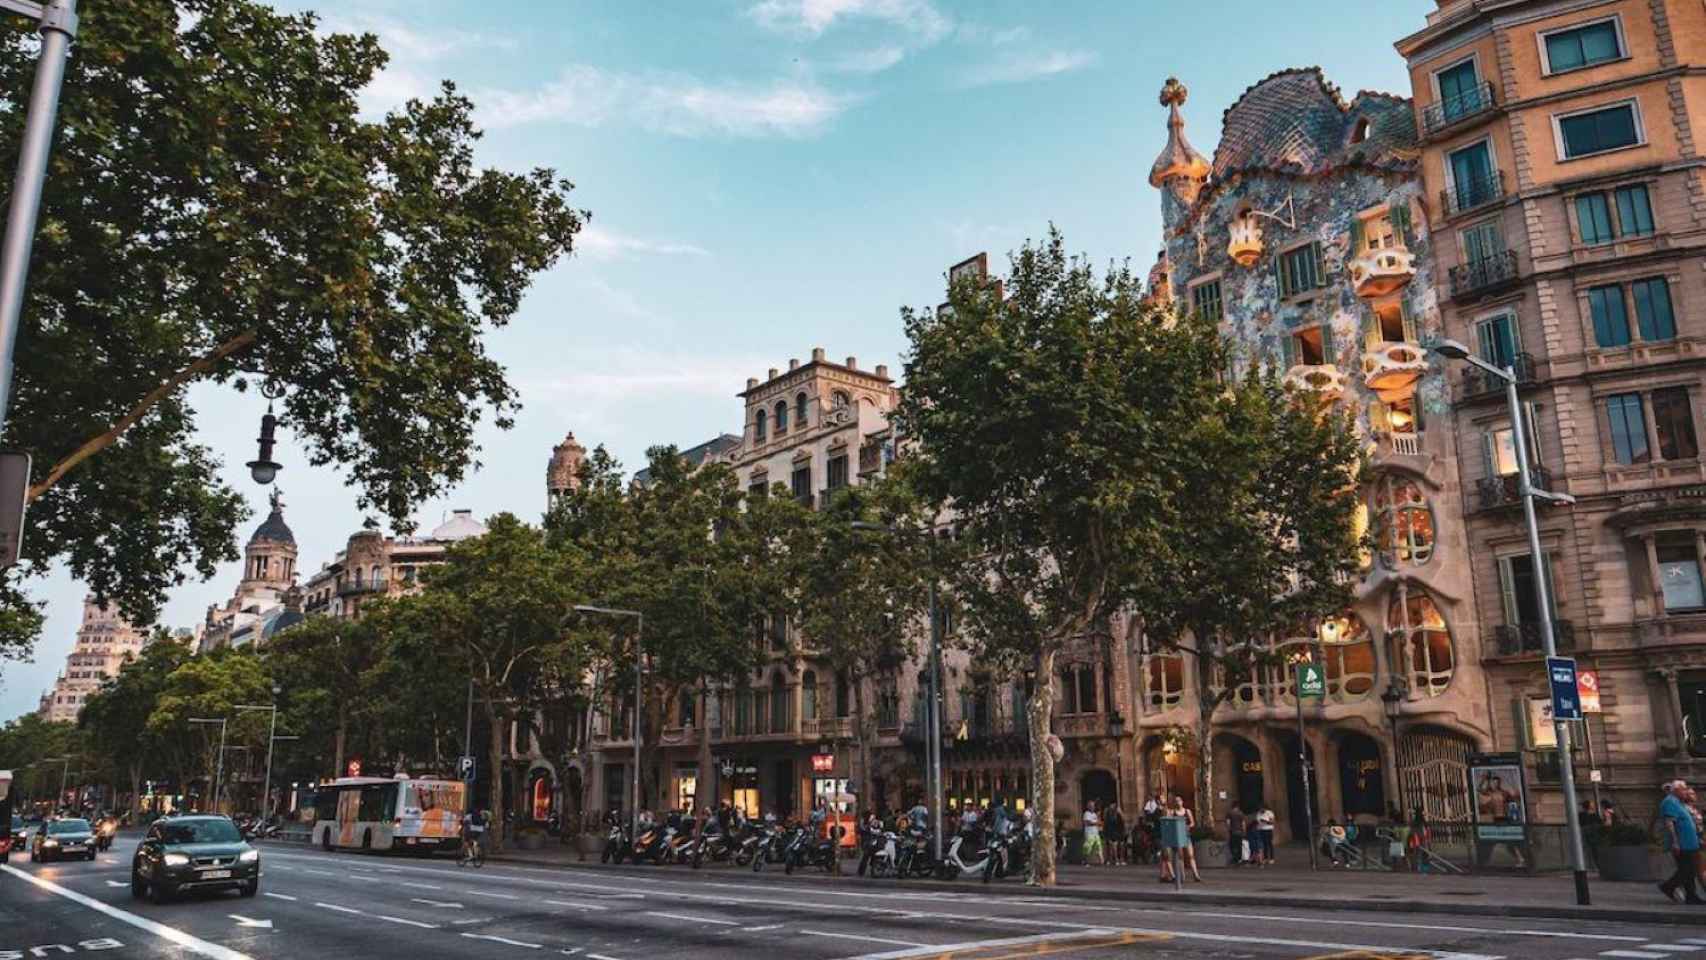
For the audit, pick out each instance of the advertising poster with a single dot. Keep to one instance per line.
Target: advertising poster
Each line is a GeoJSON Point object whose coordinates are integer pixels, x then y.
{"type": "Point", "coordinates": [1501, 799]}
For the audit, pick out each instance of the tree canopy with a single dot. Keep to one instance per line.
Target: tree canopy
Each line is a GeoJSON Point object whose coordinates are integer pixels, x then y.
{"type": "Point", "coordinates": [218, 210]}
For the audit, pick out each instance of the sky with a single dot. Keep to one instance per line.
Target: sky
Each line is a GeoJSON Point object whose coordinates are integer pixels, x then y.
{"type": "Point", "coordinates": [765, 177]}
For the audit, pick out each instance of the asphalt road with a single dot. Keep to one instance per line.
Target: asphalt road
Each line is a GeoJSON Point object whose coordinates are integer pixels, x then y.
{"type": "Point", "coordinates": [341, 905]}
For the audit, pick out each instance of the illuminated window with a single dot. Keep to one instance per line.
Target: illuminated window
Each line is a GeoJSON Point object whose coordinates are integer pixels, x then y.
{"type": "Point", "coordinates": [1164, 679]}
{"type": "Point", "coordinates": [1421, 641]}
{"type": "Point", "coordinates": [1404, 522]}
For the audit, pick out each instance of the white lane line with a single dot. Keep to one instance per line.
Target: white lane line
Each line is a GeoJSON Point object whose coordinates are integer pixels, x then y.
{"type": "Point", "coordinates": [497, 939]}
{"type": "Point", "coordinates": [494, 896]}
{"type": "Point", "coordinates": [1632, 954]}
{"type": "Point", "coordinates": [768, 926]}
{"type": "Point", "coordinates": [940, 948]}
{"type": "Point", "coordinates": [1341, 922]}
{"type": "Point", "coordinates": [855, 936]}
{"type": "Point", "coordinates": [1673, 947]}
{"type": "Point", "coordinates": [683, 916]}
{"type": "Point", "coordinates": [464, 923]}
{"type": "Point", "coordinates": [280, 896]}
{"type": "Point", "coordinates": [577, 906]}
{"type": "Point", "coordinates": [446, 904]}
{"type": "Point", "coordinates": [419, 886]}
{"type": "Point", "coordinates": [366, 879]}
{"type": "Point", "coordinates": [406, 922]}
{"type": "Point", "coordinates": [116, 883]}
{"type": "Point", "coordinates": [333, 906]}
{"type": "Point", "coordinates": [599, 956]}
{"type": "Point", "coordinates": [179, 937]}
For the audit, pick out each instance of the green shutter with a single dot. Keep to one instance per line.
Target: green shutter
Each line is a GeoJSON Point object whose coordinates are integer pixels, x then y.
{"type": "Point", "coordinates": [1531, 432]}
{"type": "Point", "coordinates": [1320, 265]}
{"type": "Point", "coordinates": [1357, 232]}
{"type": "Point", "coordinates": [1279, 273]}
{"type": "Point", "coordinates": [1410, 335]}
{"type": "Point", "coordinates": [1398, 211]}
{"type": "Point", "coordinates": [1507, 591]}
{"type": "Point", "coordinates": [1329, 353]}
{"type": "Point", "coordinates": [1288, 351]}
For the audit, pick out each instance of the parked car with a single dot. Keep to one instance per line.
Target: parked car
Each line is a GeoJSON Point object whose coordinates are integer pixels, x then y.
{"type": "Point", "coordinates": [65, 837]}
{"type": "Point", "coordinates": [200, 852]}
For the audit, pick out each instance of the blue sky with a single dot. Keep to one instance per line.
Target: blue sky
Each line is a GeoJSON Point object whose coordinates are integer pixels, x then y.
{"type": "Point", "coordinates": [767, 176]}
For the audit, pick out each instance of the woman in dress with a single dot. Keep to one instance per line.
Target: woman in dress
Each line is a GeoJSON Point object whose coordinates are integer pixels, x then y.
{"type": "Point", "coordinates": [1188, 852]}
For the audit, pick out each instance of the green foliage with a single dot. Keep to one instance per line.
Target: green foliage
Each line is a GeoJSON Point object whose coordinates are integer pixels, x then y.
{"type": "Point", "coordinates": [116, 717]}
{"type": "Point", "coordinates": [209, 687]}
{"type": "Point", "coordinates": [26, 743]}
{"type": "Point", "coordinates": [217, 210]}
{"type": "Point", "coordinates": [320, 666]}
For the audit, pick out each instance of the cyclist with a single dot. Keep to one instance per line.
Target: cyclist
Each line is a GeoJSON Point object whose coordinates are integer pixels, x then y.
{"type": "Point", "coordinates": [473, 832]}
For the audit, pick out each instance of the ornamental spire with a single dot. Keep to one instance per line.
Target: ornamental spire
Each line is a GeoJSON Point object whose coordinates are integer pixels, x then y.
{"type": "Point", "coordinates": [1178, 158]}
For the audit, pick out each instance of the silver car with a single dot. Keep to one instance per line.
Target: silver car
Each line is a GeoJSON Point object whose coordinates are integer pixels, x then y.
{"type": "Point", "coordinates": [59, 839]}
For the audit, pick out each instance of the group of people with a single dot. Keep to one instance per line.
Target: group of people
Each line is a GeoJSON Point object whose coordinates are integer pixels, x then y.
{"type": "Point", "coordinates": [1250, 836]}
{"type": "Point", "coordinates": [1679, 830]}
{"type": "Point", "coordinates": [1111, 840]}
{"type": "Point", "coordinates": [1400, 844]}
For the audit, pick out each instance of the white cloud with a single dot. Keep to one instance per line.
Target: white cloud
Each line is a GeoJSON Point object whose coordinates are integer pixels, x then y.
{"type": "Point", "coordinates": [667, 103]}
{"type": "Point", "coordinates": [410, 74]}
{"type": "Point", "coordinates": [814, 17]}
{"type": "Point", "coordinates": [1028, 65]}
{"type": "Point", "coordinates": [596, 243]}
{"type": "Point", "coordinates": [630, 373]}
{"type": "Point", "coordinates": [874, 60]}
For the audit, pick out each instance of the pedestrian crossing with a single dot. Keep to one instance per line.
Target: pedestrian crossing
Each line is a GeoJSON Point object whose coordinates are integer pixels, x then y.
{"type": "Point", "coordinates": [1657, 951]}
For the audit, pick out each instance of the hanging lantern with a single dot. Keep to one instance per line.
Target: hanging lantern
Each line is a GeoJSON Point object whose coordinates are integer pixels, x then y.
{"type": "Point", "coordinates": [263, 470]}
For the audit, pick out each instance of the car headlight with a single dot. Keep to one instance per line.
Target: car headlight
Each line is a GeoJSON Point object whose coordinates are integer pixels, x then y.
{"type": "Point", "coordinates": [249, 856]}
{"type": "Point", "coordinates": [177, 860]}
{"type": "Point", "coordinates": [50, 843]}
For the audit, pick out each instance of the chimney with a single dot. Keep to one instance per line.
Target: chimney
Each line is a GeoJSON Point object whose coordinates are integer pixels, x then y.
{"type": "Point", "coordinates": [852, 363]}
{"type": "Point", "coordinates": [751, 382]}
{"type": "Point", "coordinates": [883, 370]}
{"type": "Point", "coordinates": [793, 363]}
{"type": "Point", "coordinates": [817, 354]}
{"type": "Point", "coordinates": [772, 374]}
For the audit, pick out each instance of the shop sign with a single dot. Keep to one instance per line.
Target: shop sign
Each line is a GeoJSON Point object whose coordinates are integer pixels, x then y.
{"type": "Point", "coordinates": [823, 763]}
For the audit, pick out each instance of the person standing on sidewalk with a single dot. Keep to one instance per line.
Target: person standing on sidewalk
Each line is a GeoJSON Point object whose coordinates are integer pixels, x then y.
{"type": "Point", "coordinates": [1265, 829]}
{"type": "Point", "coordinates": [1684, 840]}
{"type": "Point", "coordinates": [1235, 854]}
{"type": "Point", "coordinates": [1092, 834]}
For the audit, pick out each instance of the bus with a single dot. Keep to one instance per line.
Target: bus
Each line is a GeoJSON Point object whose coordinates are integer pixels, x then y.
{"type": "Point", "coordinates": [373, 813]}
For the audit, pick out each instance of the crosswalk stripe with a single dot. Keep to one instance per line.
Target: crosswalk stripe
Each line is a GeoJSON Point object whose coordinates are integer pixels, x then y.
{"type": "Point", "coordinates": [1632, 954]}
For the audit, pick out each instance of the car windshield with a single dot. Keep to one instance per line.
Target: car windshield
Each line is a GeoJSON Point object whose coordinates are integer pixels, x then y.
{"type": "Point", "coordinates": [199, 831]}
{"type": "Point", "coordinates": [68, 826]}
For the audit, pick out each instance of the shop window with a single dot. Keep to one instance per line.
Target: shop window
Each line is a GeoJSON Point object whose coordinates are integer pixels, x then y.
{"type": "Point", "coordinates": [1679, 571]}
{"type": "Point", "coordinates": [1404, 522]}
{"type": "Point", "coordinates": [1421, 641]}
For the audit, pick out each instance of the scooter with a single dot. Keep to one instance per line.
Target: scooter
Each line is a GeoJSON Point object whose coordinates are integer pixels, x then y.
{"type": "Point", "coordinates": [718, 847]}
{"type": "Point", "coordinates": [768, 846]}
{"type": "Point", "coordinates": [879, 852]}
{"type": "Point", "coordinates": [806, 849]}
{"type": "Point", "coordinates": [915, 856]}
{"type": "Point", "coordinates": [616, 844]}
{"type": "Point", "coordinates": [954, 867]}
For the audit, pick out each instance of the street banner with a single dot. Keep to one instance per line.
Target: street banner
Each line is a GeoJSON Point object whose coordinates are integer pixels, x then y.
{"type": "Point", "coordinates": [1566, 701]}
{"type": "Point", "coordinates": [1587, 690]}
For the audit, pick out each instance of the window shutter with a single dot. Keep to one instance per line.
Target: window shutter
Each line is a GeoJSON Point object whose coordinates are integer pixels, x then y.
{"type": "Point", "coordinates": [1279, 273]}
{"type": "Point", "coordinates": [1484, 340]}
{"type": "Point", "coordinates": [1319, 266]}
{"type": "Point", "coordinates": [1507, 591]}
{"type": "Point", "coordinates": [1490, 455]}
{"type": "Point", "coordinates": [1358, 235]}
{"type": "Point", "coordinates": [1409, 322]}
{"type": "Point", "coordinates": [1531, 429]}
{"type": "Point", "coordinates": [1551, 585]}
{"type": "Point", "coordinates": [1288, 351]}
{"type": "Point", "coordinates": [1524, 740]}
{"type": "Point", "coordinates": [1329, 353]}
{"type": "Point", "coordinates": [1398, 211]}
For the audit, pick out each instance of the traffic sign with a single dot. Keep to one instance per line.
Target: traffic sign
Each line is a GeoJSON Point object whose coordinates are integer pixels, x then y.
{"type": "Point", "coordinates": [1311, 680]}
{"type": "Point", "coordinates": [1566, 695]}
{"type": "Point", "coordinates": [465, 767]}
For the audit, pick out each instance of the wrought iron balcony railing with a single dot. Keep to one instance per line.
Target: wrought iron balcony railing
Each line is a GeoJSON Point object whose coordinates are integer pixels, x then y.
{"type": "Point", "coordinates": [1451, 111]}
{"type": "Point", "coordinates": [1519, 638]}
{"type": "Point", "coordinates": [1480, 383]}
{"type": "Point", "coordinates": [1484, 275]}
{"type": "Point", "coordinates": [1472, 192]}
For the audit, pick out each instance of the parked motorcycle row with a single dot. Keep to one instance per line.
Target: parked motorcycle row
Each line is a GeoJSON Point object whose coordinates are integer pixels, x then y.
{"type": "Point", "coordinates": [884, 850]}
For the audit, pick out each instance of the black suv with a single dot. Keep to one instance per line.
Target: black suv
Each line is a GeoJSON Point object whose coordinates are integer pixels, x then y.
{"type": "Point", "coordinates": [194, 853]}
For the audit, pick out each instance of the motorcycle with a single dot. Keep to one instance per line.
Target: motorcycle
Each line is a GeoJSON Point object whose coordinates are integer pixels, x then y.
{"type": "Point", "coordinates": [879, 853]}
{"type": "Point", "coordinates": [616, 844]}
{"type": "Point", "coordinates": [719, 847]}
{"type": "Point", "coordinates": [916, 857]}
{"type": "Point", "coordinates": [806, 849]}
{"type": "Point", "coordinates": [681, 844]}
{"type": "Point", "coordinates": [105, 828]}
{"type": "Point", "coordinates": [767, 847]}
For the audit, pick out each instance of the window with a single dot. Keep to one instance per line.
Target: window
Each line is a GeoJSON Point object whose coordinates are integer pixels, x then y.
{"type": "Point", "coordinates": [1404, 521]}
{"type": "Point", "coordinates": [1497, 339]}
{"type": "Point", "coordinates": [1481, 243]}
{"type": "Point", "coordinates": [1679, 571]}
{"type": "Point", "coordinates": [1376, 233]}
{"type": "Point", "coordinates": [1472, 179]}
{"type": "Point", "coordinates": [1205, 300]}
{"type": "Point", "coordinates": [685, 707]}
{"type": "Point", "coordinates": [1391, 323]}
{"type": "Point", "coordinates": [780, 714]}
{"type": "Point", "coordinates": [1582, 46]}
{"type": "Point", "coordinates": [758, 425]}
{"type": "Point", "coordinates": [1610, 318]}
{"type": "Point", "coordinates": [1634, 212]}
{"type": "Point", "coordinates": [1347, 653]}
{"type": "Point", "coordinates": [1673, 421]}
{"type": "Point", "coordinates": [758, 489]}
{"type": "Point", "coordinates": [843, 695]}
{"type": "Point", "coordinates": [778, 631]}
{"type": "Point", "coordinates": [1593, 216]}
{"type": "Point", "coordinates": [1459, 90]}
{"type": "Point", "coordinates": [1500, 447]}
{"type": "Point", "coordinates": [1163, 679]}
{"type": "Point", "coordinates": [802, 484]}
{"type": "Point", "coordinates": [1310, 346]}
{"type": "Point", "coordinates": [1300, 270]}
{"type": "Point", "coordinates": [838, 472]}
{"type": "Point", "coordinates": [1078, 689]}
{"type": "Point", "coordinates": [1653, 314]}
{"type": "Point", "coordinates": [1520, 591]}
{"type": "Point", "coordinates": [800, 411]}
{"type": "Point", "coordinates": [808, 696]}
{"type": "Point", "coordinates": [1597, 131]}
{"type": "Point", "coordinates": [1628, 428]}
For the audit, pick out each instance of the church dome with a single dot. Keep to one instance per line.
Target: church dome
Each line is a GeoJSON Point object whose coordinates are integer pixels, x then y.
{"type": "Point", "coordinates": [273, 529]}
{"type": "Point", "coordinates": [460, 526]}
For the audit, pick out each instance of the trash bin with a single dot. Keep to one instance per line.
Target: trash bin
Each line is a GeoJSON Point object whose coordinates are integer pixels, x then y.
{"type": "Point", "coordinates": [1074, 848]}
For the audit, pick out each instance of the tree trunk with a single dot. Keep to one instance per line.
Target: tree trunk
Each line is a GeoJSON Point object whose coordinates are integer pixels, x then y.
{"type": "Point", "coordinates": [651, 746]}
{"type": "Point", "coordinates": [1206, 703]}
{"type": "Point", "coordinates": [496, 727]}
{"type": "Point", "coordinates": [338, 741]}
{"type": "Point", "coordinates": [1038, 714]}
{"type": "Point", "coordinates": [705, 797]}
{"type": "Point", "coordinates": [136, 789]}
{"type": "Point", "coordinates": [863, 724]}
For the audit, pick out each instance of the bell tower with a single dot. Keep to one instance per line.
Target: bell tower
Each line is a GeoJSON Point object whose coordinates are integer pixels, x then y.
{"type": "Point", "coordinates": [562, 472]}
{"type": "Point", "coordinates": [269, 560]}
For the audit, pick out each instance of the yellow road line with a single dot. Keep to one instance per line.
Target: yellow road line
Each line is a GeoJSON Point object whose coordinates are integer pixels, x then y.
{"type": "Point", "coordinates": [1050, 949]}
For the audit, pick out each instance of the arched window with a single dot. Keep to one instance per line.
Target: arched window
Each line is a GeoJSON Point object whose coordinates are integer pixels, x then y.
{"type": "Point", "coordinates": [1404, 522]}
{"type": "Point", "coordinates": [800, 409]}
{"type": "Point", "coordinates": [686, 707]}
{"type": "Point", "coordinates": [1359, 133]}
{"type": "Point", "coordinates": [758, 423]}
{"type": "Point", "coordinates": [808, 696]}
{"type": "Point", "coordinates": [378, 576]}
{"type": "Point", "coordinates": [1163, 679]}
{"type": "Point", "coordinates": [1348, 651]}
{"type": "Point", "coordinates": [779, 712]}
{"type": "Point", "coordinates": [781, 417]}
{"type": "Point", "coordinates": [841, 399]}
{"type": "Point", "coordinates": [1421, 642]}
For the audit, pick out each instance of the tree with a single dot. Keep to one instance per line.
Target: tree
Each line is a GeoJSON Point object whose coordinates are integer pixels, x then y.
{"type": "Point", "coordinates": [1046, 421]}
{"type": "Point", "coordinates": [218, 211]}
{"type": "Point", "coordinates": [1266, 544]}
{"type": "Point", "coordinates": [209, 687]}
{"type": "Point", "coordinates": [115, 718]}
{"type": "Point", "coordinates": [26, 745]}
{"type": "Point", "coordinates": [858, 596]}
{"type": "Point", "coordinates": [321, 666]}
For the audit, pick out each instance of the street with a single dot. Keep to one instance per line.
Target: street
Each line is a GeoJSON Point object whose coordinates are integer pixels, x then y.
{"type": "Point", "coordinates": [317, 904]}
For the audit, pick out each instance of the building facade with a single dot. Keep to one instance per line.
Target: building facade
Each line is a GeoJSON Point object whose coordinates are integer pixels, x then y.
{"type": "Point", "coordinates": [1307, 239]}
{"type": "Point", "coordinates": [372, 565]}
{"type": "Point", "coordinates": [1563, 180]}
{"type": "Point", "coordinates": [105, 642]}
{"type": "Point", "coordinates": [269, 574]}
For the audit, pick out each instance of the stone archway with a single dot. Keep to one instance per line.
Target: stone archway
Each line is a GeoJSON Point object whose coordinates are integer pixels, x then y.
{"type": "Point", "coordinates": [1098, 785]}
{"type": "Point", "coordinates": [1362, 781]}
{"type": "Point", "coordinates": [1239, 771]}
{"type": "Point", "coordinates": [1173, 772]}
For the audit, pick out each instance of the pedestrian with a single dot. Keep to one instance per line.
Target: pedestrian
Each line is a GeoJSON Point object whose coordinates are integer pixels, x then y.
{"type": "Point", "coordinates": [1265, 827]}
{"type": "Point", "coordinates": [1333, 840]}
{"type": "Point", "coordinates": [1188, 851]}
{"type": "Point", "coordinates": [1119, 835]}
{"type": "Point", "coordinates": [1092, 834]}
{"type": "Point", "coordinates": [1236, 855]}
{"type": "Point", "coordinates": [1253, 839]}
{"type": "Point", "coordinates": [1683, 837]}
{"type": "Point", "coordinates": [1609, 815]}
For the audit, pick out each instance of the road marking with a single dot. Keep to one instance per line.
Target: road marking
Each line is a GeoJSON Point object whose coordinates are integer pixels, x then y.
{"type": "Point", "coordinates": [1338, 921]}
{"type": "Point", "coordinates": [1673, 947]}
{"type": "Point", "coordinates": [406, 922]}
{"type": "Point", "coordinates": [497, 939]}
{"type": "Point", "coordinates": [243, 921]}
{"type": "Point", "coordinates": [366, 879]}
{"type": "Point", "coordinates": [682, 916]}
{"type": "Point", "coordinates": [1048, 949]}
{"type": "Point", "coordinates": [280, 896]}
{"type": "Point", "coordinates": [768, 926]}
{"type": "Point", "coordinates": [855, 936]}
{"type": "Point", "coordinates": [447, 904]}
{"type": "Point", "coordinates": [577, 906]}
{"type": "Point", "coordinates": [419, 886]}
{"type": "Point", "coordinates": [116, 883]}
{"type": "Point", "coordinates": [333, 906]}
{"type": "Point", "coordinates": [599, 956]}
{"type": "Point", "coordinates": [179, 937]}
{"type": "Point", "coordinates": [494, 896]}
{"type": "Point", "coordinates": [1632, 954]}
{"type": "Point", "coordinates": [463, 923]}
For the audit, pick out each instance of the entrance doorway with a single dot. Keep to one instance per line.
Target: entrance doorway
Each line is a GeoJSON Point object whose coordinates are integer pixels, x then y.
{"type": "Point", "coordinates": [1098, 785]}
{"type": "Point", "coordinates": [1362, 783]}
{"type": "Point", "coordinates": [1172, 771]}
{"type": "Point", "coordinates": [785, 801]}
{"type": "Point", "coordinates": [1247, 774]}
{"type": "Point", "coordinates": [1294, 792]}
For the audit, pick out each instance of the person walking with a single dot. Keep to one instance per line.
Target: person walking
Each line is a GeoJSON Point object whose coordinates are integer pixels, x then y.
{"type": "Point", "coordinates": [1188, 852]}
{"type": "Point", "coordinates": [1092, 834]}
{"type": "Point", "coordinates": [1265, 829]}
{"type": "Point", "coordinates": [1235, 854]}
{"type": "Point", "coordinates": [1684, 839]}
{"type": "Point", "coordinates": [1118, 835]}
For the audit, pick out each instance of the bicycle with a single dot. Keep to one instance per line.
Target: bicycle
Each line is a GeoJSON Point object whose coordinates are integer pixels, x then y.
{"type": "Point", "coordinates": [473, 852]}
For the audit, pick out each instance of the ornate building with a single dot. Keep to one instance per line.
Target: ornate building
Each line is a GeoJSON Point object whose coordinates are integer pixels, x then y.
{"type": "Point", "coordinates": [1569, 198]}
{"type": "Point", "coordinates": [269, 573]}
{"type": "Point", "coordinates": [373, 565]}
{"type": "Point", "coordinates": [1307, 239]}
{"type": "Point", "coordinates": [105, 641]}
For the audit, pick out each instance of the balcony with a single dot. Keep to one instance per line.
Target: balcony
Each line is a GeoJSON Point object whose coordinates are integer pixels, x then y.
{"type": "Point", "coordinates": [1479, 383]}
{"type": "Point", "coordinates": [1501, 491]}
{"type": "Point", "coordinates": [1378, 273]}
{"type": "Point", "coordinates": [1394, 443]}
{"type": "Point", "coordinates": [1466, 106]}
{"type": "Point", "coordinates": [1473, 193]}
{"type": "Point", "coordinates": [1484, 276]}
{"type": "Point", "coordinates": [1324, 377]}
{"type": "Point", "coordinates": [350, 588]}
{"type": "Point", "coordinates": [829, 728]}
{"type": "Point", "coordinates": [1390, 368]}
{"type": "Point", "coordinates": [1517, 639]}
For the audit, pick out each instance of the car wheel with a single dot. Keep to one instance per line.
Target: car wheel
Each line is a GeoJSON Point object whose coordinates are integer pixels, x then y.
{"type": "Point", "coordinates": [326, 840]}
{"type": "Point", "coordinates": [138, 886]}
{"type": "Point", "coordinates": [91, 856]}
{"type": "Point", "coordinates": [250, 889]}
{"type": "Point", "coordinates": [35, 855]}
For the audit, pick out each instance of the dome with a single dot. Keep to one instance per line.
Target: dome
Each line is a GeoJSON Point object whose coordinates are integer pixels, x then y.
{"type": "Point", "coordinates": [273, 528]}
{"type": "Point", "coordinates": [1296, 122]}
{"type": "Point", "coordinates": [1178, 158]}
{"type": "Point", "coordinates": [460, 526]}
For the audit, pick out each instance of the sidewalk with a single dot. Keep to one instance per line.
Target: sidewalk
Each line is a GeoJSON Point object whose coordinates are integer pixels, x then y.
{"type": "Point", "coordinates": [1545, 896]}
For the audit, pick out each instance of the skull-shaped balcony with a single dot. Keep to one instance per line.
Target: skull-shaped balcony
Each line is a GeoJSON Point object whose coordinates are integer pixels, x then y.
{"type": "Point", "coordinates": [1380, 273]}
{"type": "Point", "coordinates": [1391, 369]}
{"type": "Point", "coordinates": [1324, 378]}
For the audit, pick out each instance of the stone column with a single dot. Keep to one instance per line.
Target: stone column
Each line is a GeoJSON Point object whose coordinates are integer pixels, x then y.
{"type": "Point", "coordinates": [1656, 580]}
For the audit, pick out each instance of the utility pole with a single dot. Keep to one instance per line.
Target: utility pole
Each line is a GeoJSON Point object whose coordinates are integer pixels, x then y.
{"type": "Point", "coordinates": [219, 768]}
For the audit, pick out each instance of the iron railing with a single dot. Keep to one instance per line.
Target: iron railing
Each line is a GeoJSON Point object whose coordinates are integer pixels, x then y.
{"type": "Point", "coordinates": [1480, 383]}
{"type": "Point", "coordinates": [1472, 192]}
{"type": "Point", "coordinates": [1483, 275]}
{"type": "Point", "coordinates": [1452, 111]}
{"type": "Point", "coordinates": [1515, 639]}
{"type": "Point", "coordinates": [1503, 491]}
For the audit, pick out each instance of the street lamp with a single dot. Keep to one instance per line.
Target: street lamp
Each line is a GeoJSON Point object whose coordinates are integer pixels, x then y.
{"type": "Point", "coordinates": [1453, 350]}
{"type": "Point", "coordinates": [219, 767]}
{"type": "Point", "coordinates": [262, 469]}
{"type": "Point", "coordinates": [272, 731]}
{"type": "Point", "coordinates": [1393, 700]}
{"type": "Point", "coordinates": [639, 682]}
{"type": "Point", "coordinates": [933, 737]}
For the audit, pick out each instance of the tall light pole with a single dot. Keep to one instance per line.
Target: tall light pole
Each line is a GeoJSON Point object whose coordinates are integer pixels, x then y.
{"type": "Point", "coordinates": [58, 20]}
{"type": "Point", "coordinates": [639, 683]}
{"type": "Point", "coordinates": [219, 768]}
{"type": "Point", "coordinates": [1451, 349]}
{"type": "Point", "coordinates": [272, 732]}
{"type": "Point", "coordinates": [64, 772]}
{"type": "Point", "coordinates": [933, 736]}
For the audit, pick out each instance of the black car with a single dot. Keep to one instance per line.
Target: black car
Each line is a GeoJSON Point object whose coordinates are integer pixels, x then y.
{"type": "Point", "coordinates": [62, 838]}
{"type": "Point", "coordinates": [201, 852]}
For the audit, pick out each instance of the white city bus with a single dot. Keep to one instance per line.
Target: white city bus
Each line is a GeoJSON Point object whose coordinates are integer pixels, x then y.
{"type": "Point", "coordinates": [372, 813]}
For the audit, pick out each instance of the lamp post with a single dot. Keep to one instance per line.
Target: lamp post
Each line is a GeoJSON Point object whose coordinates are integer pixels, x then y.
{"type": "Point", "coordinates": [272, 731]}
{"type": "Point", "coordinates": [64, 772]}
{"type": "Point", "coordinates": [1116, 727]}
{"type": "Point", "coordinates": [1392, 698]}
{"type": "Point", "coordinates": [639, 681]}
{"type": "Point", "coordinates": [1453, 350]}
{"type": "Point", "coordinates": [933, 737]}
{"type": "Point", "coordinates": [219, 767]}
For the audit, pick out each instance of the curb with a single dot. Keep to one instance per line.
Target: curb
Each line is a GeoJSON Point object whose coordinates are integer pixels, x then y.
{"type": "Point", "coordinates": [1680, 916]}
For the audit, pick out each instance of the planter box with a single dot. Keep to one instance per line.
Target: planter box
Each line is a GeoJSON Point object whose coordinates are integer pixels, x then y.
{"type": "Point", "coordinates": [1627, 863]}
{"type": "Point", "coordinates": [530, 840]}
